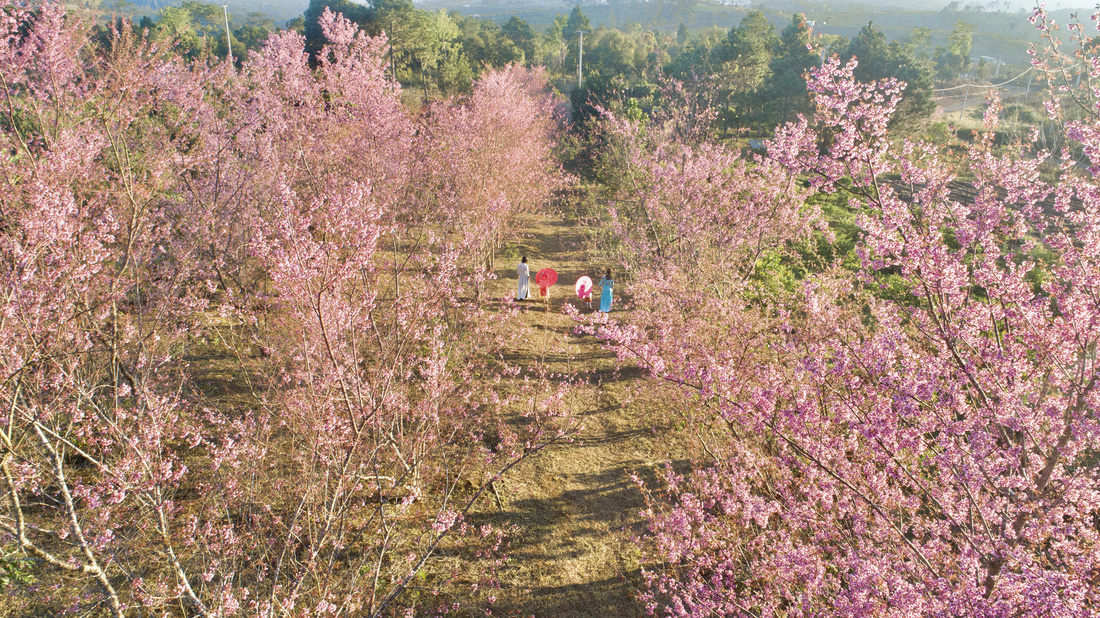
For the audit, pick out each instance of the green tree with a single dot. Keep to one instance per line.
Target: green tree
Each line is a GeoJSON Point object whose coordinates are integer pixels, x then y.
{"type": "Point", "coordinates": [919, 38]}
{"type": "Point", "coordinates": [206, 19]}
{"type": "Point", "coordinates": [484, 44]}
{"type": "Point", "coordinates": [671, 11]}
{"type": "Point", "coordinates": [453, 74]}
{"type": "Point", "coordinates": [524, 37]}
{"type": "Point", "coordinates": [556, 43]}
{"type": "Point", "coordinates": [260, 20]}
{"type": "Point", "coordinates": [298, 24]}
{"type": "Point", "coordinates": [174, 22]}
{"type": "Point", "coordinates": [577, 21]}
{"type": "Point", "coordinates": [650, 51]}
{"type": "Point", "coordinates": [250, 36]}
{"type": "Point", "coordinates": [694, 58]}
{"type": "Point", "coordinates": [425, 46]}
{"type": "Point", "coordinates": [753, 40]}
{"type": "Point", "coordinates": [750, 47]}
{"type": "Point", "coordinates": [955, 58]}
{"type": "Point", "coordinates": [743, 68]}
{"type": "Point", "coordinates": [428, 46]}
{"type": "Point", "coordinates": [793, 58]}
{"type": "Point", "coordinates": [613, 52]}
{"type": "Point", "coordinates": [962, 36]}
{"type": "Point", "coordinates": [609, 92]}
{"type": "Point", "coordinates": [196, 28]}
{"type": "Point", "coordinates": [872, 50]}
{"type": "Point", "coordinates": [880, 60]}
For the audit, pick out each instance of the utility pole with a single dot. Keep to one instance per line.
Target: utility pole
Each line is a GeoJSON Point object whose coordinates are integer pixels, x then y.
{"type": "Point", "coordinates": [824, 48]}
{"type": "Point", "coordinates": [228, 41]}
{"type": "Point", "coordinates": [580, 57]}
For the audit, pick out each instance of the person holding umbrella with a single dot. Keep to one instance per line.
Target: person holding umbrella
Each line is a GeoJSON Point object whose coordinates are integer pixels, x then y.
{"type": "Point", "coordinates": [546, 278]}
{"type": "Point", "coordinates": [584, 290]}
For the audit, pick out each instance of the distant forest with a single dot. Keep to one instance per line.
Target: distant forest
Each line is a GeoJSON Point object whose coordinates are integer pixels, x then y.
{"type": "Point", "coordinates": [746, 62]}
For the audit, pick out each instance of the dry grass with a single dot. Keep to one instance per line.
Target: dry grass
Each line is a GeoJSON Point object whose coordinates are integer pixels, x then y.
{"type": "Point", "coordinates": [574, 509]}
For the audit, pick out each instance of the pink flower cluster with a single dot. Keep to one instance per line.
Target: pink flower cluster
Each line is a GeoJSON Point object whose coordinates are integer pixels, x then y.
{"type": "Point", "coordinates": [158, 214]}
{"type": "Point", "coordinates": [911, 432]}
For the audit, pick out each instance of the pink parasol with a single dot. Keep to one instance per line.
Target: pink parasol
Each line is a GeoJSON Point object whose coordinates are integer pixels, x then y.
{"type": "Point", "coordinates": [583, 287]}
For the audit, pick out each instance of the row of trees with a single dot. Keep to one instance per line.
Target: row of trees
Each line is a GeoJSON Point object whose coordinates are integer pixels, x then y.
{"type": "Point", "coordinates": [758, 76]}
{"type": "Point", "coordinates": [887, 351]}
{"type": "Point", "coordinates": [299, 222]}
{"type": "Point", "coordinates": [751, 72]}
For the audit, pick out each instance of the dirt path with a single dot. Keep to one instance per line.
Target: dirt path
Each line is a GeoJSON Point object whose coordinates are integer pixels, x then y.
{"type": "Point", "coordinates": [574, 507]}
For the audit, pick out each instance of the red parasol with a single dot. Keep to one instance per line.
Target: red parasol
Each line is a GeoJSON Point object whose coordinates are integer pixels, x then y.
{"type": "Point", "coordinates": [546, 278]}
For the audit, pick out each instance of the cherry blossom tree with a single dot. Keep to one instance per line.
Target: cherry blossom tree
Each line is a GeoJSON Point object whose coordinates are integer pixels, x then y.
{"type": "Point", "coordinates": [387, 418]}
{"type": "Point", "coordinates": [386, 396]}
{"type": "Point", "coordinates": [487, 162]}
{"type": "Point", "coordinates": [150, 198]}
{"type": "Point", "coordinates": [916, 435]}
{"type": "Point", "coordinates": [98, 287]}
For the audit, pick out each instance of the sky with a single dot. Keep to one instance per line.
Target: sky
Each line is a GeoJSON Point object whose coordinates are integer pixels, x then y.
{"type": "Point", "coordinates": [1016, 5]}
{"type": "Point", "coordinates": [1029, 4]}
{"type": "Point", "coordinates": [995, 5]}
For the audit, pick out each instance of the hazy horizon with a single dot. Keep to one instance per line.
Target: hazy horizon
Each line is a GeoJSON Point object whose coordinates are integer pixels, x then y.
{"type": "Point", "coordinates": [499, 10]}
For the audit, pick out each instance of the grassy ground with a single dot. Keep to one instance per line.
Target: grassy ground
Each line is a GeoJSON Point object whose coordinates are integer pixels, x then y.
{"type": "Point", "coordinates": [574, 509]}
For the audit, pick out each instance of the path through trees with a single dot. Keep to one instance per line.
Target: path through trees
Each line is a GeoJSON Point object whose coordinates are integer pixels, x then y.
{"type": "Point", "coordinates": [575, 547]}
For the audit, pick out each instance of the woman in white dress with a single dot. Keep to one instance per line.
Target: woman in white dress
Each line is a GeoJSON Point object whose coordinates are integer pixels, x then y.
{"type": "Point", "coordinates": [523, 289]}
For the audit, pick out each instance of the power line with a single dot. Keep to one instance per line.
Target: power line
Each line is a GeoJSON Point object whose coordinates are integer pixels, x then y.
{"type": "Point", "coordinates": [1030, 69]}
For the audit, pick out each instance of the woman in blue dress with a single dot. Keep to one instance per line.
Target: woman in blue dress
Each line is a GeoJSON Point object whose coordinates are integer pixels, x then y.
{"type": "Point", "coordinates": [606, 285]}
